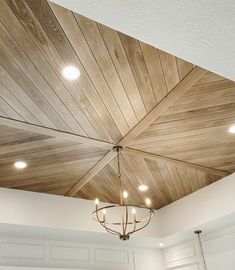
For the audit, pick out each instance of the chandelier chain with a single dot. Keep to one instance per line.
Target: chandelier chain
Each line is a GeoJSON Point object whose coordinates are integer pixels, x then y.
{"type": "Point", "coordinates": [201, 249]}
{"type": "Point", "coordinates": [119, 174]}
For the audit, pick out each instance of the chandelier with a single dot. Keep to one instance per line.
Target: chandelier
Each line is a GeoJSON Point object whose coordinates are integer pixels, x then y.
{"type": "Point", "coordinates": [198, 233]}
{"type": "Point", "coordinates": [123, 219]}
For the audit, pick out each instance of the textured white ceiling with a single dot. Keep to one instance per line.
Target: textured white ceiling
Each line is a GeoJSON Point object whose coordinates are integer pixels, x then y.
{"type": "Point", "coordinates": [200, 31]}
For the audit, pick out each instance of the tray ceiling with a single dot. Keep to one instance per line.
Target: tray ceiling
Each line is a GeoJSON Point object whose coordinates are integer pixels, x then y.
{"type": "Point", "coordinates": [170, 116]}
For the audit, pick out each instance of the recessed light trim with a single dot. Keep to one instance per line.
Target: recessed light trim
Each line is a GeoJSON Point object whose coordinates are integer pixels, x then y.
{"type": "Point", "coordinates": [20, 164]}
{"type": "Point", "coordinates": [143, 188]}
{"type": "Point", "coordinates": [232, 129]}
{"type": "Point", "coordinates": [71, 73]}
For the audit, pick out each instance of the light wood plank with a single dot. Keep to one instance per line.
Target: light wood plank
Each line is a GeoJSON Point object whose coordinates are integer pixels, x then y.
{"type": "Point", "coordinates": [80, 46]}
{"type": "Point", "coordinates": [96, 43]}
{"type": "Point", "coordinates": [92, 172]}
{"type": "Point", "coordinates": [137, 63]}
{"type": "Point", "coordinates": [164, 104]}
{"type": "Point", "coordinates": [119, 58]}
{"type": "Point", "coordinates": [170, 69]}
{"type": "Point", "coordinates": [147, 155]}
{"type": "Point", "coordinates": [153, 64]}
{"type": "Point", "coordinates": [53, 132]}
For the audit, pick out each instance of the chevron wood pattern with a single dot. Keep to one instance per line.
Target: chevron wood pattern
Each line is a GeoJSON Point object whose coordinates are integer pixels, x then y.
{"type": "Point", "coordinates": [172, 115]}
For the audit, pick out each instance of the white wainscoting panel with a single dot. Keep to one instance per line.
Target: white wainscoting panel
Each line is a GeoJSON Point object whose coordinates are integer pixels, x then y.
{"type": "Point", "coordinates": [46, 254]}
{"type": "Point", "coordinates": [183, 256]}
{"type": "Point", "coordinates": [111, 256]}
{"type": "Point", "coordinates": [148, 261]}
{"type": "Point", "coordinates": [70, 253]}
{"type": "Point", "coordinates": [22, 251]}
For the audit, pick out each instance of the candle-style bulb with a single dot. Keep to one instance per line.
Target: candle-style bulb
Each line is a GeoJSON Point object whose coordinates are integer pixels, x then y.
{"type": "Point", "coordinates": [96, 201]}
{"type": "Point", "coordinates": [125, 194]}
{"type": "Point", "coordinates": [148, 201]}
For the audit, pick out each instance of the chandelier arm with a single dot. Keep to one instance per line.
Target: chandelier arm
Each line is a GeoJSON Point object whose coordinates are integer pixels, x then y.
{"type": "Point", "coordinates": [120, 223]}
{"type": "Point", "coordinates": [150, 217]}
{"type": "Point", "coordinates": [134, 228]}
{"type": "Point", "coordinates": [126, 214]}
{"type": "Point", "coordinates": [97, 216]}
{"type": "Point", "coordinates": [111, 231]}
{"type": "Point", "coordinates": [108, 229]}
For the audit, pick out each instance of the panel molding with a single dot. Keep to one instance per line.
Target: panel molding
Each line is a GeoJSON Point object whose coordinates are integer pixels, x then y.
{"type": "Point", "coordinates": [109, 253]}
{"type": "Point", "coordinates": [70, 249]}
{"type": "Point", "coordinates": [17, 250]}
{"type": "Point", "coordinates": [49, 254]}
{"type": "Point", "coordinates": [181, 255]}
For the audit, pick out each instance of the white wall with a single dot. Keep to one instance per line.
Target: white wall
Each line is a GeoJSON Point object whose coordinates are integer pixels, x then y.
{"type": "Point", "coordinates": [207, 205]}
{"type": "Point", "coordinates": [44, 210]}
{"type": "Point", "coordinates": [201, 32]}
{"type": "Point", "coordinates": [47, 254]}
{"type": "Point", "coordinates": [68, 218]}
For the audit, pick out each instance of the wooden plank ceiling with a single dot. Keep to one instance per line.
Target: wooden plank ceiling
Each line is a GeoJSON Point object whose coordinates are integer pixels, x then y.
{"type": "Point", "coordinates": [171, 117]}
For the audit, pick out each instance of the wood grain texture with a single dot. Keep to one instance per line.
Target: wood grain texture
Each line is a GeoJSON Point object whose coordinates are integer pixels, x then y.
{"type": "Point", "coordinates": [167, 181]}
{"type": "Point", "coordinates": [180, 89]}
{"type": "Point", "coordinates": [53, 163]}
{"type": "Point", "coordinates": [195, 128]}
{"type": "Point", "coordinates": [148, 155]}
{"type": "Point", "coordinates": [92, 172]}
{"type": "Point", "coordinates": [172, 114]}
{"type": "Point", "coordinates": [53, 132]}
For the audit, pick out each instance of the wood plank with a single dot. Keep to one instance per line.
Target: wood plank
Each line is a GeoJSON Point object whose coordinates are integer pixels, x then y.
{"type": "Point", "coordinates": [53, 132]}
{"type": "Point", "coordinates": [50, 63]}
{"type": "Point", "coordinates": [164, 104]}
{"type": "Point", "coordinates": [96, 43]}
{"type": "Point", "coordinates": [92, 172]}
{"type": "Point", "coordinates": [170, 69]}
{"type": "Point", "coordinates": [153, 64]}
{"type": "Point", "coordinates": [183, 67]}
{"type": "Point", "coordinates": [75, 36]}
{"type": "Point", "coordinates": [65, 49]}
{"type": "Point", "coordinates": [15, 103]}
{"type": "Point", "coordinates": [26, 146]}
{"type": "Point", "coordinates": [119, 58]}
{"type": "Point", "coordinates": [147, 155]}
{"type": "Point", "coordinates": [153, 168]}
{"type": "Point", "coordinates": [138, 66]}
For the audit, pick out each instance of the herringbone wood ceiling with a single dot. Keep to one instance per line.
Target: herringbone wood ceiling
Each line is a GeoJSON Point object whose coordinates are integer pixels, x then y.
{"type": "Point", "coordinates": [170, 116]}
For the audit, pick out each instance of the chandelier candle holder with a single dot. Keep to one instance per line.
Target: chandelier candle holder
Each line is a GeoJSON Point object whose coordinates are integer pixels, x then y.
{"type": "Point", "coordinates": [123, 219]}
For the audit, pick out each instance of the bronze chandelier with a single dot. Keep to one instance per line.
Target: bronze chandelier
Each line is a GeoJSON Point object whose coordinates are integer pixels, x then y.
{"type": "Point", "coordinates": [123, 219]}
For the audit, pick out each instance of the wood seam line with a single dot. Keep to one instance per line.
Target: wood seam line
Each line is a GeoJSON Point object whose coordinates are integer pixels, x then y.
{"type": "Point", "coordinates": [147, 155]}
{"type": "Point", "coordinates": [53, 132]}
{"type": "Point", "coordinates": [92, 172]}
{"type": "Point", "coordinates": [181, 88]}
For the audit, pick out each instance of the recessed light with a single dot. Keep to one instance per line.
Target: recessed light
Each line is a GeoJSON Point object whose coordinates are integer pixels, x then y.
{"type": "Point", "coordinates": [71, 73]}
{"type": "Point", "coordinates": [161, 244]}
{"type": "Point", "coordinates": [143, 187]}
{"type": "Point", "coordinates": [232, 129]}
{"type": "Point", "coordinates": [20, 164]}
